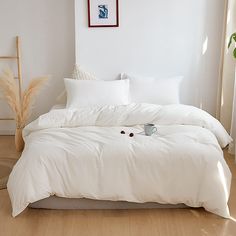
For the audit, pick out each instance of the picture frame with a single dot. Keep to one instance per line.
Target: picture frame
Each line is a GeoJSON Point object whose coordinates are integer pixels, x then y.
{"type": "Point", "coordinates": [103, 13]}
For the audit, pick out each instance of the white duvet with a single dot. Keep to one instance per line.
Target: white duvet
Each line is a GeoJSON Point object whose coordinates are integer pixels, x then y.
{"type": "Point", "coordinates": [81, 153]}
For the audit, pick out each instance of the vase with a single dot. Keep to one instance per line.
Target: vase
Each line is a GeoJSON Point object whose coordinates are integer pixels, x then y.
{"type": "Point", "coordinates": [19, 142]}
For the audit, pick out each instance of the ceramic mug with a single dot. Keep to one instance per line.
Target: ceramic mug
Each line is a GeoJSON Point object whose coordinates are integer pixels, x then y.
{"type": "Point", "coordinates": [149, 129]}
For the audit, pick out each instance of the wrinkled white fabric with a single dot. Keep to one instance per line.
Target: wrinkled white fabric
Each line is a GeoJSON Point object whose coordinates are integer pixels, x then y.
{"type": "Point", "coordinates": [81, 153]}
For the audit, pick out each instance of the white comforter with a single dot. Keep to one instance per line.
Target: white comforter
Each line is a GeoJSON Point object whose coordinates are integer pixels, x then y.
{"type": "Point", "coordinates": [81, 153]}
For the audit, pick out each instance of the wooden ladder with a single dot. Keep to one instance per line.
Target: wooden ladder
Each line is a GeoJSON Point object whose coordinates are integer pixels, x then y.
{"type": "Point", "coordinates": [19, 76]}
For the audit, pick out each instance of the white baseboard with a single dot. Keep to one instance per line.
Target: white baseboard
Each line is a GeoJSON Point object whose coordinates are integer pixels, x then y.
{"type": "Point", "coordinates": [7, 128]}
{"type": "Point", "coordinates": [7, 132]}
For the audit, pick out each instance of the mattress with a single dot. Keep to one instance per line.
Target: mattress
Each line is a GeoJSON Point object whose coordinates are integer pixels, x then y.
{"type": "Point", "coordinates": [57, 203]}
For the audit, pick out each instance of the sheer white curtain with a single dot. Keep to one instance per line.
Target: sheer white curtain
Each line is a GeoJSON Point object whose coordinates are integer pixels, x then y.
{"type": "Point", "coordinates": [232, 146]}
{"type": "Point", "coordinates": [228, 88]}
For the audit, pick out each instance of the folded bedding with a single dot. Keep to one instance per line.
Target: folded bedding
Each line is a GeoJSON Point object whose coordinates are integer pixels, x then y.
{"type": "Point", "coordinates": [81, 153]}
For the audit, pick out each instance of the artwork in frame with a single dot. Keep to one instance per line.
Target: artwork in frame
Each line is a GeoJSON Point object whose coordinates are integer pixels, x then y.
{"type": "Point", "coordinates": [103, 13]}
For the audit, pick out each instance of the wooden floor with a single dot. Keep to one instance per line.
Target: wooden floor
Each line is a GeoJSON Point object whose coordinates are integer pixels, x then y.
{"type": "Point", "coordinates": [163, 222]}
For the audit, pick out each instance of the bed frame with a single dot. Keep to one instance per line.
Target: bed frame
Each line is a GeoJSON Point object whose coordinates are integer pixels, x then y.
{"type": "Point", "coordinates": [59, 203]}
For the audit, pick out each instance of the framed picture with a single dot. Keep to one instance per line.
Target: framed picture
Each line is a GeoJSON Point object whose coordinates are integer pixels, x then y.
{"type": "Point", "coordinates": [103, 13]}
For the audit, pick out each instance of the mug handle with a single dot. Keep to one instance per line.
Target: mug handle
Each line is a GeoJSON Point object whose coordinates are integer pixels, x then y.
{"type": "Point", "coordinates": [154, 130]}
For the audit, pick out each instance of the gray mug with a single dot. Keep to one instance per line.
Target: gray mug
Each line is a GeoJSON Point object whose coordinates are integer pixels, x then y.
{"type": "Point", "coordinates": [149, 129]}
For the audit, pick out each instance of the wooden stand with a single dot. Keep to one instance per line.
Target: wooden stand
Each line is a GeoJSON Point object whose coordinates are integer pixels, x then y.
{"type": "Point", "coordinates": [18, 135]}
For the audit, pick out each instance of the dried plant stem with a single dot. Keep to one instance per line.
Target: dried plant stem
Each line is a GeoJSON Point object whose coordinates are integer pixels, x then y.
{"type": "Point", "coordinates": [28, 97]}
{"type": "Point", "coordinates": [22, 104]}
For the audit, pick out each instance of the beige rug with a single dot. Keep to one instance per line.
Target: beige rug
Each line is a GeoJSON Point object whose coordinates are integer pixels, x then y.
{"type": "Point", "coordinates": [6, 165]}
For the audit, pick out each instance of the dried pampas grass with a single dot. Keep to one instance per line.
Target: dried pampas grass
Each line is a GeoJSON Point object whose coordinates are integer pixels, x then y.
{"type": "Point", "coordinates": [21, 104]}
{"type": "Point", "coordinates": [11, 93]}
{"type": "Point", "coordinates": [29, 95]}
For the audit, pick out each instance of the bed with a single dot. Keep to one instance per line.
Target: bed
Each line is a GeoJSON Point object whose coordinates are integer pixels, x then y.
{"type": "Point", "coordinates": [82, 155]}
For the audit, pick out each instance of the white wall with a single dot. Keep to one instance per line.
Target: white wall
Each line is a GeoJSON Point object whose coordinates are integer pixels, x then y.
{"type": "Point", "coordinates": [155, 37]}
{"type": "Point", "coordinates": [46, 29]}
{"type": "Point", "coordinates": [161, 38]}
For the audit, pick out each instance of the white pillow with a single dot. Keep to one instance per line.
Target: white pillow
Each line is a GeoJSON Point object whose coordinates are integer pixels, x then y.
{"type": "Point", "coordinates": [78, 73]}
{"type": "Point", "coordinates": [153, 90]}
{"type": "Point", "coordinates": [81, 93]}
